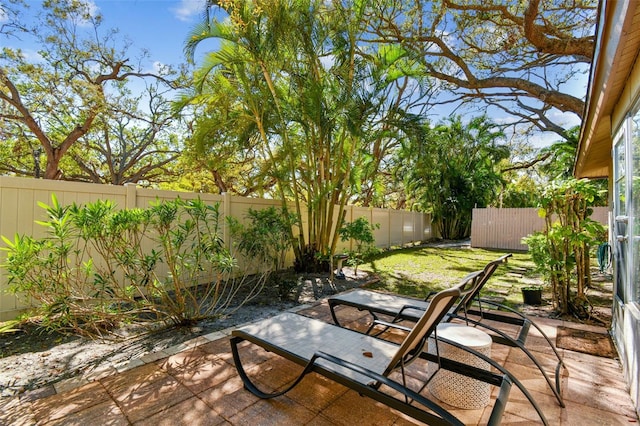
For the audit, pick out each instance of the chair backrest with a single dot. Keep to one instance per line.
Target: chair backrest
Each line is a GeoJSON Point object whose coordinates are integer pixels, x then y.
{"type": "Point", "coordinates": [474, 292]}
{"type": "Point", "coordinates": [439, 306]}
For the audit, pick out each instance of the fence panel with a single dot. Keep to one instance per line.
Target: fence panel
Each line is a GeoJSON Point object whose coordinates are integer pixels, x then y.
{"type": "Point", "coordinates": [19, 210]}
{"type": "Point", "coordinates": [504, 228]}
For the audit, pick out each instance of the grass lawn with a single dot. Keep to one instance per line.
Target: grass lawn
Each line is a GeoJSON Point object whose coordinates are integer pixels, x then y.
{"type": "Point", "coordinates": [416, 271]}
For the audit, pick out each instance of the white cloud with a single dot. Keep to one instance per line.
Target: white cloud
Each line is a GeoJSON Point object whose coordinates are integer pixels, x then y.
{"type": "Point", "coordinates": [31, 55]}
{"type": "Point", "coordinates": [92, 10]}
{"type": "Point", "coordinates": [159, 68]}
{"type": "Point", "coordinates": [188, 8]}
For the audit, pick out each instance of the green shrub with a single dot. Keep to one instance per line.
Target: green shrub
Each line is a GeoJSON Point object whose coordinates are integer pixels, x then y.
{"type": "Point", "coordinates": [562, 251]}
{"type": "Point", "coordinates": [98, 266]}
{"type": "Point", "coordinates": [361, 232]}
{"type": "Point", "coordinates": [265, 240]}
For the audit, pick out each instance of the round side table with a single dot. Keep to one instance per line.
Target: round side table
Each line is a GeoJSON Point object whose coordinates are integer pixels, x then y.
{"type": "Point", "coordinates": [453, 388]}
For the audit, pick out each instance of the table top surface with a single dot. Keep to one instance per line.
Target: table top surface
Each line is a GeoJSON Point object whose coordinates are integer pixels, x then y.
{"type": "Point", "coordinates": [464, 335]}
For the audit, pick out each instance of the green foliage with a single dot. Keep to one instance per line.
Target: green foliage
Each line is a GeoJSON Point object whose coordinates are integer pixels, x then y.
{"type": "Point", "coordinates": [265, 238]}
{"type": "Point", "coordinates": [98, 266]}
{"type": "Point", "coordinates": [562, 251]}
{"type": "Point", "coordinates": [361, 232]}
{"type": "Point", "coordinates": [278, 116]}
{"type": "Point", "coordinates": [519, 192]}
{"type": "Point", "coordinates": [9, 327]}
{"type": "Point", "coordinates": [451, 169]}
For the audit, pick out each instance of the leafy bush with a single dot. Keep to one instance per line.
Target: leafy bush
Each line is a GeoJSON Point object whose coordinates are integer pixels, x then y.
{"type": "Point", "coordinates": [98, 266]}
{"type": "Point", "coordinates": [361, 232]}
{"type": "Point", "coordinates": [265, 239]}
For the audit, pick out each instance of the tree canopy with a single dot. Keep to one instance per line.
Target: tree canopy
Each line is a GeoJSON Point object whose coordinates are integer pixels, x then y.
{"type": "Point", "coordinates": [49, 104]}
{"type": "Point", "coordinates": [292, 86]}
{"type": "Point", "coordinates": [521, 57]}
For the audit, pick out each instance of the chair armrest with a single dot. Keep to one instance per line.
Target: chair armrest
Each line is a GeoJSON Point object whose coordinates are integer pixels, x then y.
{"type": "Point", "coordinates": [390, 325]}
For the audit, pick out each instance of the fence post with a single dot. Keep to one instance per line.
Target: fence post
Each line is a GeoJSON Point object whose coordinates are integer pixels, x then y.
{"type": "Point", "coordinates": [131, 195]}
{"type": "Point", "coordinates": [226, 212]}
{"type": "Point", "coordinates": [390, 232]}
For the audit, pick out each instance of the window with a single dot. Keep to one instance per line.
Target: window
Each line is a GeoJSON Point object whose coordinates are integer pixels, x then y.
{"type": "Point", "coordinates": [620, 210]}
{"type": "Point", "coordinates": [634, 234]}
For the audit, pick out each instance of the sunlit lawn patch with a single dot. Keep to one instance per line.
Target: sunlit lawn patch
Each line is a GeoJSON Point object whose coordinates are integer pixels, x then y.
{"type": "Point", "coordinates": [417, 271]}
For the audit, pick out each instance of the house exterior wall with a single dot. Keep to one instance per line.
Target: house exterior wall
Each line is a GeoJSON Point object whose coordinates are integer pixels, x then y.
{"type": "Point", "coordinates": [626, 308]}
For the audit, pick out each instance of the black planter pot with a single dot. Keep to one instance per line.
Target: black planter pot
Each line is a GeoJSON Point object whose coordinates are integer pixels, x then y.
{"type": "Point", "coordinates": [532, 296]}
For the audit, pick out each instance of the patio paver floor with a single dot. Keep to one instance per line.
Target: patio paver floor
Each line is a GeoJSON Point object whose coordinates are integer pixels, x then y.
{"type": "Point", "coordinates": [198, 385]}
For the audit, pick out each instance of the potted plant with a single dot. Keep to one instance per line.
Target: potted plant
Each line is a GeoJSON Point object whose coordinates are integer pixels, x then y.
{"type": "Point", "coordinates": [532, 295]}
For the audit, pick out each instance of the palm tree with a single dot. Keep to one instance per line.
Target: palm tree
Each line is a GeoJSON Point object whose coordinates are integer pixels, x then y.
{"type": "Point", "coordinates": [301, 91]}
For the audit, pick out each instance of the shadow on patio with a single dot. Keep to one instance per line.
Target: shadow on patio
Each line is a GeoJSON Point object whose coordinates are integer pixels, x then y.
{"type": "Point", "coordinates": [198, 385]}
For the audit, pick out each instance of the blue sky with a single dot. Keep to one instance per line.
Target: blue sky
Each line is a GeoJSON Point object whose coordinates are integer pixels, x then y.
{"type": "Point", "coordinates": [158, 25]}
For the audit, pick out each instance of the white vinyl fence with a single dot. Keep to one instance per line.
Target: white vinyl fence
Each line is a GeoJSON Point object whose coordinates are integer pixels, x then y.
{"type": "Point", "coordinates": [19, 209]}
{"type": "Point", "coordinates": [504, 228]}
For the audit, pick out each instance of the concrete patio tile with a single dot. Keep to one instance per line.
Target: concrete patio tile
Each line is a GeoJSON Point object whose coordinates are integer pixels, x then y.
{"type": "Point", "coordinates": [250, 354]}
{"type": "Point", "coordinates": [604, 398]}
{"type": "Point", "coordinates": [539, 344]}
{"type": "Point", "coordinates": [500, 353]}
{"type": "Point", "coordinates": [204, 373]}
{"type": "Point", "coordinates": [592, 369]}
{"type": "Point", "coordinates": [69, 384]}
{"type": "Point", "coordinates": [404, 420]}
{"type": "Point", "coordinates": [230, 397]}
{"type": "Point", "coordinates": [530, 377]}
{"type": "Point", "coordinates": [353, 409]}
{"type": "Point", "coordinates": [316, 392]}
{"type": "Point", "coordinates": [220, 347]}
{"type": "Point", "coordinates": [281, 411]}
{"type": "Point", "coordinates": [133, 377]}
{"type": "Point", "coordinates": [181, 359]}
{"type": "Point", "coordinates": [320, 420]}
{"type": "Point", "coordinates": [200, 386]}
{"type": "Point", "coordinates": [277, 372]}
{"type": "Point", "coordinates": [546, 359]}
{"type": "Point", "coordinates": [577, 414]}
{"type": "Point", "coordinates": [143, 393]}
{"type": "Point", "coordinates": [468, 417]}
{"type": "Point", "coordinates": [14, 411]}
{"type": "Point", "coordinates": [71, 402]}
{"type": "Point", "coordinates": [549, 326]}
{"type": "Point", "coordinates": [520, 411]}
{"type": "Point", "coordinates": [105, 414]}
{"type": "Point", "coordinates": [35, 394]}
{"type": "Point", "coordinates": [190, 412]}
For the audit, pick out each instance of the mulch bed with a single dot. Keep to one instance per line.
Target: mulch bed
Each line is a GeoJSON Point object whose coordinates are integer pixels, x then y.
{"type": "Point", "coordinates": [588, 342]}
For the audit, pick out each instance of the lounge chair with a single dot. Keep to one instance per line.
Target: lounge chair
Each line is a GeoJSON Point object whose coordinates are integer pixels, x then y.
{"type": "Point", "coordinates": [365, 363]}
{"type": "Point", "coordinates": [400, 308]}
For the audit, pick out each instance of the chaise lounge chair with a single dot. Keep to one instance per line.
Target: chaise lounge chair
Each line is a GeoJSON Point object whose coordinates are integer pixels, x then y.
{"type": "Point", "coordinates": [400, 308]}
{"type": "Point", "coordinates": [365, 363]}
